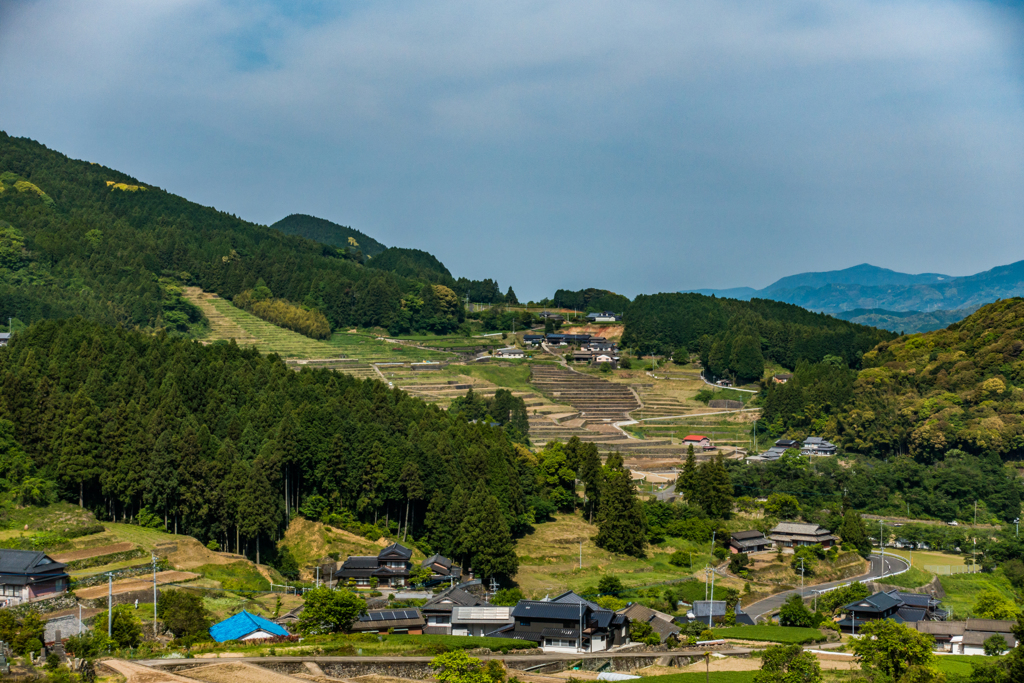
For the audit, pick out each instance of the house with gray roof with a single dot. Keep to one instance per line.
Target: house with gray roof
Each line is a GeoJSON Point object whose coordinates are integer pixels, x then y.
{"type": "Point", "coordinates": [569, 623]}
{"type": "Point", "coordinates": [390, 620]}
{"type": "Point", "coordinates": [480, 620]}
{"type": "Point", "coordinates": [27, 575]}
{"type": "Point", "coordinates": [442, 568]}
{"type": "Point", "coordinates": [390, 567]}
{"type": "Point", "coordinates": [791, 535]}
{"type": "Point", "coordinates": [662, 624]}
{"type": "Point", "coordinates": [752, 541]}
{"type": "Point", "coordinates": [438, 610]}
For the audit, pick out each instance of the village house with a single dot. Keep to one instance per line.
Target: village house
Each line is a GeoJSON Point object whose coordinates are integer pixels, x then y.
{"type": "Point", "coordinates": [698, 441]}
{"type": "Point", "coordinates": [479, 620]}
{"type": "Point", "coordinates": [603, 317]}
{"type": "Point", "coordinates": [510, 352]}
{"type": "Point", "coordinates": [662, 624]}
{"type": "Point", "coordinates": [26, 575]}
{"type": "Point", "coordinates": [900, 606]}
{"type": "Point", "coordinates": [815, 445]}
{"type": "Point", "coordinates": [553, 317]}
{"type": "Point", "coordinates": [790, 535]}
{"type": "Point", "coordinates": [533, 339]}
{"type": "Point", "coordinates": [5, 337]}
{"type": "Point", "coordinates": [390, 621]}
{"type": "Point", "coordinates": [438, 610]}
{"type": "Point", "coordinates": [555, 625]}
{"type": "Point", "coordinates": [246, 626]}
{"type": "Point", "coordinates": [782, 378]}
{"type": "Point", "coordinates": [441, 568]}
{"type": "Point", "coordinates": [786, 444]}
{"type": "Point", "coordinates": [390, 567]}
{"type": "Point", "coordinates": [749, 542]}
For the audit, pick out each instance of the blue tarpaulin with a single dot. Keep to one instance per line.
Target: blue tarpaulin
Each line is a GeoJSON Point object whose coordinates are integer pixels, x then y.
{"type": "Point", "coordinates": [243, 624]}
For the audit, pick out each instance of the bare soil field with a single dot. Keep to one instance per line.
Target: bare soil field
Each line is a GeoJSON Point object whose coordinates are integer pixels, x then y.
{"type": "Point", "coordinates": [236, 672]}
{"type": "Point", "coordinates": [93, 552]}
{"type": "Point", "coordinates": [606, 331]}
{"type": "Point", "coordinates": [137, 673]}
{"type": "Point", "coordinates": [135, 584]}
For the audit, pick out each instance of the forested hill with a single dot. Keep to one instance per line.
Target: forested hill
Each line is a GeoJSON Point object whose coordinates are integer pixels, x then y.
{"type": "Point", "coordinates": [737, 337]}
{"type": "Point", "coordinates": [923, 395]}
{"type": "Point", "coordinates": [326, 232]}
{"type": "Point", "coordinates": [80, 238]}
{"type": "Point", "coordinates": [224, 441]}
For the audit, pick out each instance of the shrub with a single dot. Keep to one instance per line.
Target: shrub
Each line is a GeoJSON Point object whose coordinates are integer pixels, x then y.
{"type": "Point", "coordinates": [183, 613]}
{"type": "Point", "coordinates": [625, 364]}
{"type": "Point", "coordinates": [610, 585]}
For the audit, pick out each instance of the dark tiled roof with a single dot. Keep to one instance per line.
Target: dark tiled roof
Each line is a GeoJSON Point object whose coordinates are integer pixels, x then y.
{"type": "Point", "coordinates": [978, 638]}
{"type": "Point", "coordinates": [395, 550]}
{"type": "Point", "coordinates": [569, 597]}
{"type": "Point", "coordinates": [360, 562]}
{"type": "Point", "coordinates": [879, 602]}
{"type": "Point", "coordinates": [537, 609]}
{"type": "Point", "coordinates": [990, 625]}
{"type": "Point", "coordinates": [912, 614]}
{"type": "Point", "coordinates": [747, 535]}
{"type": "Point", "coordinates": [561, 633]}
{"type": "Point", "coordinates": [913, 599]}
{"type": "Point", "coordinates": [437, 559]}
{"type": "Point", "coordinates": [452, 597]}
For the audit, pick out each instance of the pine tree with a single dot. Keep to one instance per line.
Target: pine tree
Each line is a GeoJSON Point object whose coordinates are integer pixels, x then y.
{"type": "Point", "coordinates": [486, 539]}
{"type": "Point", "coordinates": [713, 488]}
{"type": "Point", "coordinates": [412, 482]}
{"type": "Point", "coordinates": [81, 444]}
{"type": "Point", "coordinates": [621, 525]}
{"type": "Point", "coordinates": [854, 532]}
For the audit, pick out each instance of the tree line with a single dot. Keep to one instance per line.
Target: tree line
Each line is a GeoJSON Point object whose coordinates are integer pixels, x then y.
{"type": "Point", "coordinates": [260, 303]}
{"type": "Point", "coordinates": [738, 337]}
{"type": "Point", "coordinates": [225, 444]}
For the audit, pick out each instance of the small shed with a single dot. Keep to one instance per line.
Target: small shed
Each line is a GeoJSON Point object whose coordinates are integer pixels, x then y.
{"type": "Point", "coordinates": [245, 626]}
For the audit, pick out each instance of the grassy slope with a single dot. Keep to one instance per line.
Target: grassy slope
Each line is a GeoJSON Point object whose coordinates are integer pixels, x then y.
{"type": "Point", "coordinates": [773, 634]}
{"type": "Point", "coordinates": [312, 541]}
{"type": "Point", "coordinates": [962, 590]}
{"type": "Point", "coordinates": [913, 578]}
{"type": "Point", "coordinates": [549, 560]}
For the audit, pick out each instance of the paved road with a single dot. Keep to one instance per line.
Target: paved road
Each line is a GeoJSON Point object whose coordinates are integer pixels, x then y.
{"type": "Point", "coordinates": [768, 605]}
{"type": "Point", "coordinates": [669, 491]}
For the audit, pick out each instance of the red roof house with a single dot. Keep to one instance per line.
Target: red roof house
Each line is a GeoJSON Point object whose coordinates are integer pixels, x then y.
{"type": "Point", "coordinates": [698, 440]}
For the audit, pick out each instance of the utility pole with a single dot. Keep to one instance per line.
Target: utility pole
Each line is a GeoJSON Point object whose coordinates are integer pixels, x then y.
{"type": "Point", "coordinates": [801, 578]}
{"type": "Point", "coordinates": [318, 576]}
{"type": "Point", "coordinates": [581, 554]}
{"type": "Point", "coordinates": [712, 603]}
{"type": "Point", "coordinates": [110, 604]}
{"type": "Point", "coordinates": [154, 594]}
{"type": "Point", "coordinates": [975, 513]}
{"type": "Point", "coordinates": [881, 544]}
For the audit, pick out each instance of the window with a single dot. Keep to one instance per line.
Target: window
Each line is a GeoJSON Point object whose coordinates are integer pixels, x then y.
{"type": "Point", "coordinates": [559, 642]}
{"type": "Point", "coordinates": [524, 622]}
{"type": "Point", "coordinates": [9, 590]}
{"type": "Point", "coordinates": [439, 620]}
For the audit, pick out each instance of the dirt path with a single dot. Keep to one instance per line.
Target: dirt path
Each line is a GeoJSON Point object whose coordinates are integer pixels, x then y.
{"type": "Point", "coordinates": [137, 673]}
{"type": "Point", "coordinates": [237, 672]}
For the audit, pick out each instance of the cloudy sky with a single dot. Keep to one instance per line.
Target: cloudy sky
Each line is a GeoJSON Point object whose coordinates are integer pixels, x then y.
{"type": "Point", "coordinates": [636, 146]}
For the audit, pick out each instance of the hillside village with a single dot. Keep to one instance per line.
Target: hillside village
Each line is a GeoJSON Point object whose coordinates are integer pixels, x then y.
{"type": "Point", "coordinates": [405, 466]}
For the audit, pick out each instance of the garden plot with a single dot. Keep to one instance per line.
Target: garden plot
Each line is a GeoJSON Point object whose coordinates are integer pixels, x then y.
{"type": "Point", "coordinates": [129, 585]}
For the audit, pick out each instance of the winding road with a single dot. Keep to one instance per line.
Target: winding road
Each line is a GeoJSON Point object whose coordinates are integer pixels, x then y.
{"type": "Point", "coordinates": [893, 564]}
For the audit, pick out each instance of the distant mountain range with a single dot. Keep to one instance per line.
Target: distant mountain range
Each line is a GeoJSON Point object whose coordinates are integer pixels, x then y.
{"type": "Point", "coordinates": [868, 292]}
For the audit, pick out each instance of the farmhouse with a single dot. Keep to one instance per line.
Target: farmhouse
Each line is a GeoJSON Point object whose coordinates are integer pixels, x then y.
{"type": "Point", "coordinates": [533, 339]}
{"type": "Point", "coordinates": [555, 625]}
{"type": "Point", "coordinates": [815, 445]}
{"type": "Point", "coordinates": [603, 317]}
{"type": "Point", "coordinates": [661, 623]}
{"type": "Point", "coordinates": [390, 567]}
{"type": "Point", "coordinates": [5, 337]}
{"type": "Point", "coordinates": [479, 621]}
{"type": "Point", "coordinates": [390, 620]}
{"type": "Point", "coordinates": [442, 568]}
{"type": "Point", "coordinates": [789, 535]}
{"type": "Point", "coordinates": [245, 626]}
{"type": "Point", "coordinates": [553, 317]}
{"type": "Point", "coordinates": [782, 378]}
{"type": "Point", "coordinates": [28, 574]}
{"type": "Point", "coordinates": [438, 610]}
{"type": "Point", "coordinates": [510, 353]}
{"type": "Point", "coordinates": [786, 444]}
{"type": "Point", "coordinates": [749, 542]}
{"type": "Point", "coordinates": [698, 440]}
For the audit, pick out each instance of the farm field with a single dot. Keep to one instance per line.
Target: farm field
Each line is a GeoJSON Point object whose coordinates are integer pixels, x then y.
{"type": "Point", "coordinates": [962, 591]}
{"type": "Point", "coordinates": [775, 634]}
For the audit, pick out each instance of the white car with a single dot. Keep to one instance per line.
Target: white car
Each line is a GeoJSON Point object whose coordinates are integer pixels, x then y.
{"type": "Point", "coordinates": [954, 523]}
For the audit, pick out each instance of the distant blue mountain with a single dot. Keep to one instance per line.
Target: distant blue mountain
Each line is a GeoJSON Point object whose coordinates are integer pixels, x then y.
{"type": "Point", "coordinates": [870, 287]}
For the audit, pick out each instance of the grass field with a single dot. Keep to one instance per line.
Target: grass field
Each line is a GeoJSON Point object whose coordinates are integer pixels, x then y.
{"type": "Point", "coordinates": [962, 591]}
{"type": "Point", "coordinates": [229, 322]}
{"type": "Point", "coordinates": [549, 560]}
{"type": "Point", "coordinates": [368, 645]}
{"type": "Point", "coordinates": [961, 664]}
{"type": "Point", "coordinates": [773, 634]}
{"type": "Point", "coordinates": [912, 578]}
{"type": "Point", "coordinates": [925, 558]}
{"type": "Point", "coordinates": [236, 576]}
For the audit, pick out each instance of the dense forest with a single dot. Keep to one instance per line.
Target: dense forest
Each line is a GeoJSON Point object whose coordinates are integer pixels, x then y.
{"type": "Point", "coordinates": [225, 444]}
{"type": "Point", "coordinates": [588, 300]}
{"type": "Point", "coordinates": [936, 415]}
{"type": "Point", "coordinates": [326, 232]}
{"type": "Point", "coordinates": [82, 239]}
{"type": "Point", "coordinates": [737, 337]}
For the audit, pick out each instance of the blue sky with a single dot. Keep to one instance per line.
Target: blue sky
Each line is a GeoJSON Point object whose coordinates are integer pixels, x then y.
{"type": "Point", "coordinates": [640, 147]}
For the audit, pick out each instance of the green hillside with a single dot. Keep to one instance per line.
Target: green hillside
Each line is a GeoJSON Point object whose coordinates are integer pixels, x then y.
{"type": "Point", "coordinates": [326, 232]}
{"type": "Point", "coordinates": [82, 239]}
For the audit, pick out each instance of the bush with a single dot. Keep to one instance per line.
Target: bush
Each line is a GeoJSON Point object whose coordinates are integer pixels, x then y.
{"type": "Point", "coordinates": [126, 630]}
{"type": "Point", "coordinates": [679, 559]}
{"type": "Point", "coordinates": [738, 563]}
{"type": "Point", "coordinates": [507, 597]}
{"type": "Point", "coordinates": [625, 364]}
{"type": "Point", "coordinates": [795, 613]}
{"type": "Point", "coordinates": [610, 585]}
{"type": "Point", "coordinates": [183, 613]}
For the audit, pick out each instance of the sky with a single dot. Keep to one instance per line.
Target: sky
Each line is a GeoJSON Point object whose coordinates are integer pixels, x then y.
{"type": "Point", "coordinates": [634, 146]}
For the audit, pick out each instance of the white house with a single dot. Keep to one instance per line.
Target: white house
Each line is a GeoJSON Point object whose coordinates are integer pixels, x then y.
{"type": "Point", "coordinates": [510, 353]}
